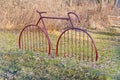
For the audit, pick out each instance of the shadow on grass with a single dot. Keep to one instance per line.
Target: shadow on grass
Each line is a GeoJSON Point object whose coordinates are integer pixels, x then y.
{"type": "Point", "coordinates": [108, 33]}
{"type": "Point", "coordinates": [117, 48]}
{"type": "Point", "coordinates": [109, 36]}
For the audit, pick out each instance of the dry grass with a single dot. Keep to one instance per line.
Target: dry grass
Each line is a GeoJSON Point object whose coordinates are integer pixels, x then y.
{"type": "Point", "coordinates": [17, 13]}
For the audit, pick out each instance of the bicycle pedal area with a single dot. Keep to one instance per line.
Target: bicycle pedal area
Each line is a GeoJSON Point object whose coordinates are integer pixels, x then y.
{"type": "Point", "coordinates": [58, 41]}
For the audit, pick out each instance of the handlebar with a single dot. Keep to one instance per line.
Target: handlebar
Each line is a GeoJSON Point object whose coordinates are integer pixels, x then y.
{"type": "Point", "coordinates": [75, 15]}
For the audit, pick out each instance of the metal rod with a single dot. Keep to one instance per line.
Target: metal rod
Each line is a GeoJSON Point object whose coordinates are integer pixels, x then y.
{"type": "Point", "coordinates": [38, 21]}
{"type": "Point", "coordinates": [30, 40]}
{"type": "Point", "coordinates": [71, 43]}
{"type": "Point", "coordinates": [42, 42]}
{"type": "Point", "coordinates": [83, 47]}
{"type": "Point", "coordinates": [70, 21]}
{"type": "Point", "coordinates": [21, 44]}
{"type": "Point", "coordinates": [45, 43]}
{"type": "Point", "coordinates": [80, 45]}
{"type": "Point", "coordinates": [75, 40]}
{"type": "Point", "coordinates": [39, 40]}
{"type": "Point", "coordinates": [87, 48]}
{"type": "Point", "coordinates": [36, 40]}
{"type": "Point", "coordinates": [61, 46]}
{"type": "Point", "coordinates": [68, 44]}
{"type": "Point", "coordinates": [27, 39]}
{"type": "Point", "coordinates": [65, 44]}
{"type": "Point", "coordinates": [92, 53]}
{"type": "Point", "coordinates": [55, 18]}
{"type": "Point", "coordinates": [33, 38]}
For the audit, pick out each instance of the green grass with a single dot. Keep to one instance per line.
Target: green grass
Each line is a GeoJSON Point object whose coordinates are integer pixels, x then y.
{"type": "Point", "coordinates": [21, 65]}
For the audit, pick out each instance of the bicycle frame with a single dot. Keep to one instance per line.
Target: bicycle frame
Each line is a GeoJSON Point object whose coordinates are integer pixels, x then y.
{"type": "Point", "coordinates": [58, 18]}
{"type": "Point", "coordinates": [61, 18]}
{"type": "Point", "coordinates": [72, 41]}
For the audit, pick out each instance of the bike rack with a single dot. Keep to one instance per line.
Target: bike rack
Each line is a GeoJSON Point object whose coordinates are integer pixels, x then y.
{"type": "Point", "coordinates": [72, 42]}
{"type": "Point", "coordinates": [76, 42]}
{"type": "Point", "coordinates": [33, 38]}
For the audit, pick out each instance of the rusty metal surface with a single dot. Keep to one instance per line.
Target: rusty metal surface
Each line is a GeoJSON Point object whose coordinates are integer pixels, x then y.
{"type": "Point", "coordinates": [71, 42]}
{"type": "Point", "coordinates": [76, 42]}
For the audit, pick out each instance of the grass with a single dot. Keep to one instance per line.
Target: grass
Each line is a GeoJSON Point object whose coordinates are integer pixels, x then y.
{"type": "Point", "coordinates": [24, 65]}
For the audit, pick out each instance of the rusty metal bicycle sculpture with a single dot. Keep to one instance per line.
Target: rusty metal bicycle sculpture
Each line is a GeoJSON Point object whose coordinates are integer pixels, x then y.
{"type": "Point", "coordinates": [71, 42]}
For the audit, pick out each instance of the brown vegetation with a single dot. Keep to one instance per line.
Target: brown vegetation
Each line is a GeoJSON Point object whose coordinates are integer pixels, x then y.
{"type": "Point", "coordinates": [17, 13]}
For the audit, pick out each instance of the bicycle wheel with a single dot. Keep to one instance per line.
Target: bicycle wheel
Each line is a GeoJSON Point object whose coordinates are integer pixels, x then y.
{"type": "Point", "coordinates": [33, 38]}
{"type": "Point", "coordinates": [76, 42]}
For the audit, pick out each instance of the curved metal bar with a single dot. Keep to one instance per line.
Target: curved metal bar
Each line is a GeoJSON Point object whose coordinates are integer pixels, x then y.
{"type": "Point", "coordinates": [47, 37]}
{"type": "Point", "coordinates": [80, 30]}
{"type": "Point", "coordinates": [75, 15]}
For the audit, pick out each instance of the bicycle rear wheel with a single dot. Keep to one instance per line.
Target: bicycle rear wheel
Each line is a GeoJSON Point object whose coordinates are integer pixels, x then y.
{"type": "Point", "coordinates": [33, 38]}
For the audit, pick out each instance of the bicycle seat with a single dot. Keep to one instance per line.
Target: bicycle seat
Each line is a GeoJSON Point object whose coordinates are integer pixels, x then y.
{"type": "Point", "coordinates": [40, 12]}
